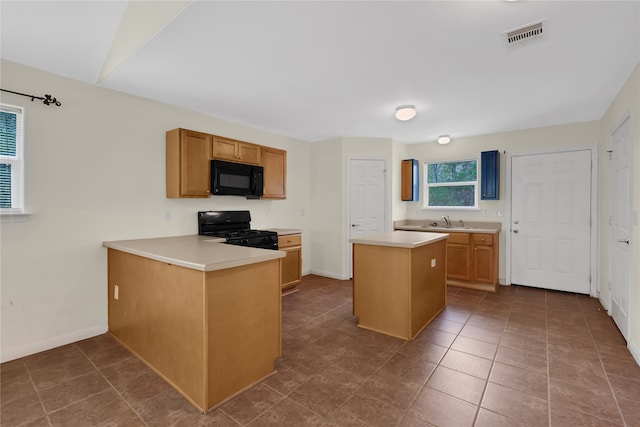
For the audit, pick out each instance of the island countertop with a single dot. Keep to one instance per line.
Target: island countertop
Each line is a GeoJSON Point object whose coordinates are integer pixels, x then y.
{"type": "Point", "coordinates": [195, 252]}
{"type": "Point", "coordinates": [401, 239]}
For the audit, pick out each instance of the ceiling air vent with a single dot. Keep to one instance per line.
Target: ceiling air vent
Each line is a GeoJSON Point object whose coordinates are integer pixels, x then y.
{"type": "Point", "coordinates": [524, 35]}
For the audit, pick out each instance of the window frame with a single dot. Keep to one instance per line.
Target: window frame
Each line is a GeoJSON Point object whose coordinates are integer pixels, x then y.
{"type": "Point", "coordinates": [17, 164]}
{"type": "Point", "coordinates": [427, 185]}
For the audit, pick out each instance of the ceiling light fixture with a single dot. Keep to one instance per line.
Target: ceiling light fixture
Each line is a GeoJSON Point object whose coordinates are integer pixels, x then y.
{"type": "Point", "coordinates": [405, 112]}
{"type": "Point", "coordinates": [444, 139]}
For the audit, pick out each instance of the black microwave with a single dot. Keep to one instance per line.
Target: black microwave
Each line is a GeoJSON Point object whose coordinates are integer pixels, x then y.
{"type": "Point", "coordinates": [236, 179]}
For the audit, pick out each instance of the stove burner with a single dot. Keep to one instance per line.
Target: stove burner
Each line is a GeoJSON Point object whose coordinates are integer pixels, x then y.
{"type": "Point", "coordinates": [234, 226]}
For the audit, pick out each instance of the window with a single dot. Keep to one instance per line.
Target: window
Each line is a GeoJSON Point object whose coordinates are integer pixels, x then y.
{"type": "Point", "coordinates": [451, 184]}
{"type": "Point", "coordinates": [11, 159]}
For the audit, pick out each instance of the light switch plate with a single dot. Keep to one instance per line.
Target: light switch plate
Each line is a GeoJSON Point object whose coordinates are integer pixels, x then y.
{"type": "Point", "coordinates": [433, 263]}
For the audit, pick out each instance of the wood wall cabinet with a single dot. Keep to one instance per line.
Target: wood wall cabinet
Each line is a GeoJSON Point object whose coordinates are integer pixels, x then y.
{"type": "Point", "coordinates": [490, 175]}
{"type": "Point", "coordinates": [472, 260]}
{"type": "Point", "coordinates": [188, 163]}
{"type": "Point", "coordinates": [410, 184]}
{"type": "Point", "coordinates": [291, 265]}
{"type": "Point", "coordinates": [274, 162]}
{"type": "Point", "coordinates": [236, 151]}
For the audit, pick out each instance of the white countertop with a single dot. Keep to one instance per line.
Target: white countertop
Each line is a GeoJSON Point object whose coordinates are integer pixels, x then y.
{"type": "Point", "coordinates": [285, 231]}
{"type": "Point", "coordinates": [196, 252]}
{"type": "Point", "coordinates": [401, 239]}
{"type": "Point", "coordinates": [468, 227]}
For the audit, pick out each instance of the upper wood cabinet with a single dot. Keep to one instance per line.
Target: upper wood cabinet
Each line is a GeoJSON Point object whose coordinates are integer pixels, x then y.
{"type": "Point", "coordinates": [490, 175]}
{"type": "Point", "coordinates": [188, 158]}
{"type": "Point", "coordinates": [410, 183]}
{"type": "Point", "coordinates": [189, 155]}
{"type": "Point", "coordinates": [235, 151]}
{"type": "Point", "coordinates": [274, 162]}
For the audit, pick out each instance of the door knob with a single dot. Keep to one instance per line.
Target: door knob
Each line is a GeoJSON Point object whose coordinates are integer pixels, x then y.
{"type": "Point", "coordinates": [623, 241]}
{"type": "Point", "coordinates": [516, 231]}
{"type": "Point", "coordinates": [355, 225]}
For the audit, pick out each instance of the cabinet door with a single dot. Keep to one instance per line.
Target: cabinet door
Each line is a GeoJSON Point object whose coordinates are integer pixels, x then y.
{"type": "Point", "coordinates": [275, 173]}
{"type": "Point", "coordinates": [194, 164]}
{"type": "Point", "coordinates": [249, 153]}
{"type": "Point", "coordinates": [291, 267]}
{"type": "Point", "coordinates": [483, 264]}
{"type": "Point", "coordinates": [490, 175]}
{"type": "Point", "coordinates": [224, 148]}
{"type": "Point", "coordinates": [458, 261]}
{"type": "Point", "coordinates": [410, 185]}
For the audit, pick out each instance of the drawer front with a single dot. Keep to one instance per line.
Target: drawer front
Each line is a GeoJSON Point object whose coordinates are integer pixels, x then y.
{"type": "Point", "coordinates": [289, 240]}
{"type": "Point", "coordinates": [483, 239]}
{"type": "Point", "coordinates": [461, 238]}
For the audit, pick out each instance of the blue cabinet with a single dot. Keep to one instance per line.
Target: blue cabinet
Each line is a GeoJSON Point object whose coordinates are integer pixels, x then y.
{"type": "Point", "coordinates": [490, 175]}
{"type": "Point", "coordinates": [410, 183]}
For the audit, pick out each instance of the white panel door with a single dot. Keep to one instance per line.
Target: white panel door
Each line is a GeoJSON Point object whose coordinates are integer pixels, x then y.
{"type": "Point", "coordinates": [551, 220]}
{"type": "Point", "coordinates": [367, 187]}
{"type": "Point", "coordinates": [621, 226]}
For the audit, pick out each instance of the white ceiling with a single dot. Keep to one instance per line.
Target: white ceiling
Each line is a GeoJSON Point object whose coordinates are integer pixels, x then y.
{"type": "Point", "coordinates": [321, 70]}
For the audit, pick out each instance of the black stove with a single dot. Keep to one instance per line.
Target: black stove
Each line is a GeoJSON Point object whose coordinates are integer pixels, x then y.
{"type": "Point", "coordinates": [235, 227]}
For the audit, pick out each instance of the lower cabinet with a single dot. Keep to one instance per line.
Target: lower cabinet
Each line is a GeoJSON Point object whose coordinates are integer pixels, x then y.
{"type": "Point", "coordinates": [472, 260]}
{"type": "Point", "coordinates": [291, 269]}
{"type": "Point", "coordinates": [459, 256]}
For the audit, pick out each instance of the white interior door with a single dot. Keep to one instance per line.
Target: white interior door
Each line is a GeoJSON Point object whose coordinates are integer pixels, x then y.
{"type": "Point", "coordinates": [367, 189]}
{"type": "Point", "coordinates": [621, 226]}
{"type": "Point", "coordinates": [551, 220]}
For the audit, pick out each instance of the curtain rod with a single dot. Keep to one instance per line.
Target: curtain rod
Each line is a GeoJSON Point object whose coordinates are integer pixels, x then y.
{"type": "Point", "coordinates": [47, 99]}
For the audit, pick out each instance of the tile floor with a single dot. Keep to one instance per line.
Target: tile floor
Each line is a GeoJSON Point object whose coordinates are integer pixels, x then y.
{"type": "Point", "coordinates": [519, 357]}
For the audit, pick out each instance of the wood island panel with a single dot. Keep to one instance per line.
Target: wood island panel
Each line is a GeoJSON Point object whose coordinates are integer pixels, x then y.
{"type": "Point", "coordinates": [209, 334]}
{"type": "Point", "coordinates": [244, 311]}
{"type": "Point", "coordinates": [396, 291]}
{"type": "Point", "coordinates": [169, 337]}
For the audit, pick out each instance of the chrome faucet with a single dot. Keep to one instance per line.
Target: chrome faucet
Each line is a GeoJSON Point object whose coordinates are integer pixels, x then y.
{"type": "Point", "coordinates": [461, 223]}
{"type": "Point", "coordinates": [447, 221]}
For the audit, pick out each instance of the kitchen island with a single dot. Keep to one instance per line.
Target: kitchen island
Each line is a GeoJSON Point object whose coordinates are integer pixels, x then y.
{"type": "Point", "coordinates": [399, 281]}
{"type": "Point", "coordinates": [204, 315]}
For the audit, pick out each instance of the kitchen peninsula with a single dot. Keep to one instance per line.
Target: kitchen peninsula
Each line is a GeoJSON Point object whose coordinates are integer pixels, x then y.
{"type": "Point", "coordinates": [399, 281]}
{"type": "Point", "coordinates": [203, 314]}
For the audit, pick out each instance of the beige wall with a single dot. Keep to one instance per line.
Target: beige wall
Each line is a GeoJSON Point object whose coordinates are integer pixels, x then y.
{"type": "Point", "coordinates": [626, 103]}
{"type": "Point", "coordinates": [524, 141]}
{"type": "Point", "coordinates": [95, 172]}
{"type": "Point", "coordinates": [329, 182]}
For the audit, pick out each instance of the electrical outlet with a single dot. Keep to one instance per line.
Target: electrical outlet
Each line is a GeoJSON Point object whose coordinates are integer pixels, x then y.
{"type": "Point", "coordinates": [116, 290]}
{"type": "Point", "coordinates": [433, 263]}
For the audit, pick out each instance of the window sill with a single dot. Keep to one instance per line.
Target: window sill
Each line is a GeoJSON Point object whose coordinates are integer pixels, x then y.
{"type": "Point", "coordinates": [15, 216]}
{"type": "Point", "coordinates": [450, 208]}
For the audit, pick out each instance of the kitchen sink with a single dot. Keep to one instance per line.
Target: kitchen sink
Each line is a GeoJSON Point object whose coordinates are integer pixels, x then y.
{"type": "Point", "coordinates": [449, 227]}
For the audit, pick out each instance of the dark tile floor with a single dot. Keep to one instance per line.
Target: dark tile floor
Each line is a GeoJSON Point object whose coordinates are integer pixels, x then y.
{"type": "Point", "coordinates": [519, 357]}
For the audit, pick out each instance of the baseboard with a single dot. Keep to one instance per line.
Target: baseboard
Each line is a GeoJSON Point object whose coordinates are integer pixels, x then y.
{"type": "Point", "coordinates": [329, 275]}
{"type": "Point", "coordinates": [635, 352]}
{"type": "Point", "coordinates": [8, 354]}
